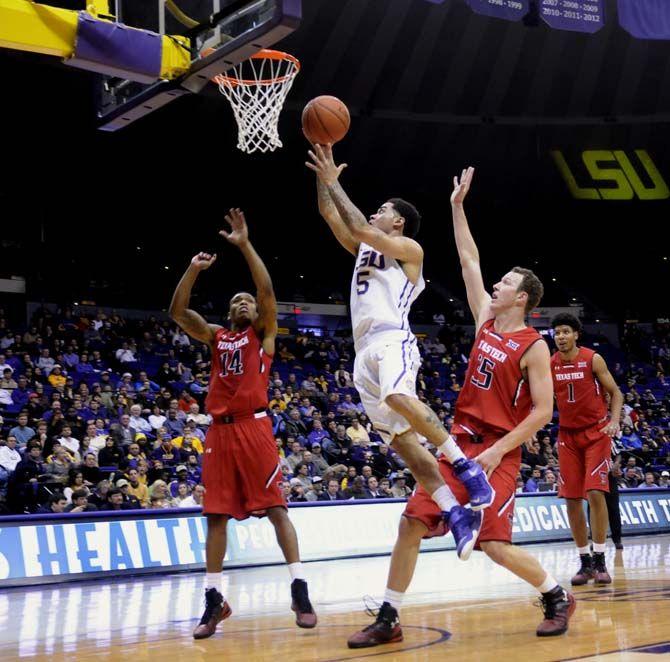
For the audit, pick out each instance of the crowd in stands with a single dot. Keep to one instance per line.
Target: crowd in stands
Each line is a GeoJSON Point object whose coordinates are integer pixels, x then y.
{"type": "Point", "coordinates": [106, 413]}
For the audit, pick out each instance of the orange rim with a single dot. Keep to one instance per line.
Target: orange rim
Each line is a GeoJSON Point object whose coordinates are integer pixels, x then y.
{"type": "Point", "coordinates": [264, 54]}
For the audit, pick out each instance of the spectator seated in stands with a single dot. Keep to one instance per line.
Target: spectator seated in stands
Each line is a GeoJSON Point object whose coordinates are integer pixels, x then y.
{"type": "Point", "coordinates": [316, 489]}
{"type": "Point", "coordinates": [80, 503]}
{"type": "Point", "coordinates": [358, 490]}
{"type": "Point", "coordinates": [373, 489]}
{"type": "Point", "coordinates": [631, 478]}
{"type": "Point", "coordinates": [7, 382]}
{"type": "Point", "coordinates": [629, 439]}
{"type": "Point", "coordinates": [348, 478]}
{"type": "Point", "coordinates": [75, 482]}
{"type": "Point", "coordinates": [128, 497]}
{"type": "Point", "coordinates": [332, 492]}
{"type": "Point", "coordinates": [356, 432]}
{"type": "Point", "coordinates": [138, 489]}
{"type": "Point", "coordinates": [137, 422]}
{"type": "Point", "coordinates": [296, 454]}
{"type": "Point", "coordinates": [400, 489]}
{"type": "Point", "coordinates": [182, 479]}
{"type": "Point", "coordinates": [297, 493]}
{"type": "Point", "coordinates": [22, 432]}
{"type": "Point", "coordinates": [194, 500]}
{"type": "Point", "coordinates": [159, 488]}
{"type": "Point", "coordinates": [203, 421]}
{"type": "Point", "coordinates": [60, 465]}
{"type": "Point", "coordinates": [316, 460]}
{"type": "Point", "coordinates": [649, 481]}
{"type": "Point", "coordinates": [9, 458]}
{"type": "Point", "coordinates": [55, 505]}
{"type": "Point", "coordinates": [301, 473]}
{"type": "Point", "coordinates": [167, 453]}
{"type": "Point", "coordinates": [110, 455]}
{"type": "Point", "coordinates": [99, 495]}
{"type": "Point", "coordinates": [532, 484]}
{"type": "Point", "coordinates": [190, 441]}
{"type": "Point", "coordinates": [385, 488]}
{"type": "Point", "coordinates": [115, 501]}
{"type": "Point", "coordinates": [70, 443]}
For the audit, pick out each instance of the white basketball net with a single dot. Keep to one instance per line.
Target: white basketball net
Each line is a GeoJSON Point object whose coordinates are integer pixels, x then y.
{"type": "Point", "coordinates": [257, 89]}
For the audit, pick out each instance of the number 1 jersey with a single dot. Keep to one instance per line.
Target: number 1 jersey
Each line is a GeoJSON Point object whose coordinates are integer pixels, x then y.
{"type": "Point", "coordinates": [238, 384]}
{"type": "Point", "coordinates": [580, 398]}
{"type": "Point", "coordinates": [495, 392]}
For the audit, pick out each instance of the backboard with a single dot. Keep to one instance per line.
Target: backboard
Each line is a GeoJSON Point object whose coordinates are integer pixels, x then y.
{"type": "Point", "coordinates": [230, 30]}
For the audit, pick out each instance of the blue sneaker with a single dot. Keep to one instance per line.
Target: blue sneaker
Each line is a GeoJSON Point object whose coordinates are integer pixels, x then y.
{"type": "Point", "coordinates": [476, 483]}
{"type": "Point", "coordinates": [464, 524]}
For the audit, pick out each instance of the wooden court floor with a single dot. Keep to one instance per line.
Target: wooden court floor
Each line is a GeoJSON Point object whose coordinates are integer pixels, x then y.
{"type": "Point", "coordinates": [464, 611]}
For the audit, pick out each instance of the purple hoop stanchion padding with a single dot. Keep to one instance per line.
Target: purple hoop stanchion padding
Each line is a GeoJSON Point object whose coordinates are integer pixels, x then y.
{"type": "Point", "coordinates": [510, 10]}
{"type": "Point", "coordinates": [575, 15]}
{"type": "Point", "coordinates": [645, 19]}
{"type": "Point", "coordinates": [115, 49]}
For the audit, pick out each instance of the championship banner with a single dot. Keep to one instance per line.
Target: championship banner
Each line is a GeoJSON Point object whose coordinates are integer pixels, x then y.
{"type": "Point", "coordinates": [645, 19]}
{"type": "Point", "coordinates": [575, 15]}
{"type": "Point", "coordinates": [510, 10]}
{"type": "Point", "coordinates": [86, 546]}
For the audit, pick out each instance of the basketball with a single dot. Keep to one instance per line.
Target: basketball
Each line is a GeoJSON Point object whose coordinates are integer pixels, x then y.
{"type": "Point", "coordinates": [325, 119]}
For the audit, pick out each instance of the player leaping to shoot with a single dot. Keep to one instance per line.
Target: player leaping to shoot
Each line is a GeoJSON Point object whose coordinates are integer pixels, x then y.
{"type": "Point", "coordinates": [240, 468]}
{"type": "Point", "coordinates": [506, 397]}
{"type": "Point", "coordinates": [387, 279]}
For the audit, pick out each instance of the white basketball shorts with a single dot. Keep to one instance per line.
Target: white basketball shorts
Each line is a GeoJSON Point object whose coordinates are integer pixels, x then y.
{"type": "Point", "coordinates": [382, 369]}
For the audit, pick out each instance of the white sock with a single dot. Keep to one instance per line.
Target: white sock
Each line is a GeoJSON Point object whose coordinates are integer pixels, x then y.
{"type": "Point", "coordinates": [394, 598]}
{"type": "Point", "coordinates": [584, 550]}
{"type": "Point", "coordinates": [599, 547]}
{"type": "Point", "coordinates": [214, 580]}
{"type": "Point", "coordinates": [547, 585]}
{"type": "Point", "coordinates": [444, 498]}
{"type": "Point", "coordinates": [450, 449]}
{"type": "Point", "coordinates": [296, 571]}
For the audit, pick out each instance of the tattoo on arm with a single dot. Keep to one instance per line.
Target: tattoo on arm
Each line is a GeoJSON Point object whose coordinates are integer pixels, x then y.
{"type": "Point", "coordinates": [350, 214]}
{"type": "Point", "coordinates": [326, 204]}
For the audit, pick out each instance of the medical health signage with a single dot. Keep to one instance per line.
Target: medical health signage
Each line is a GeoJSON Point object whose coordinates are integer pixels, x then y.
{"type": "Point", "coordinates": [85, 547]}
{"type": "Point", "coordinates": [575, 15]}
{"type": "Point", "coordinates": [510, 10]}
{"type": "Point", "coordinates": [75, 548]}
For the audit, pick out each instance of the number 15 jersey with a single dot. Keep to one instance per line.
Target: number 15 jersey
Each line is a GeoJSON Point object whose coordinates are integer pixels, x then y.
{"type": "Point", "coordinates": [495, 392]}
{"type": "Point", "coordinates": [240, 371]}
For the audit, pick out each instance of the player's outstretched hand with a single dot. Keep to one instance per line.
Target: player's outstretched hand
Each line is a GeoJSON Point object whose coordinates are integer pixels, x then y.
{"type": "Point", "coordinates": [239, 233]}
{"type": "Point", "coordinates": [323, 164]}
{"type": "Point", "coordinates": [462, 187]}
{"type": "Point", "coordinates": [203, 261]}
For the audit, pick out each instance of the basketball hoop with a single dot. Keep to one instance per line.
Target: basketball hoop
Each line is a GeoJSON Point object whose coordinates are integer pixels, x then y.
{"type": "Point", "coordinates": [256, 90]}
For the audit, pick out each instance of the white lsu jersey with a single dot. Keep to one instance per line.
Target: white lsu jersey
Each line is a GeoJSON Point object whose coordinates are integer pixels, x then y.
{"type": "Point", "coordinates": [381, 297]}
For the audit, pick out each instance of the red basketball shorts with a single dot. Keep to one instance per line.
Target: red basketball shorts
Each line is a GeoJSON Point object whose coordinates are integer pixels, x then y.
{"type": "Point", "coordinates": [497, 518]}
{"type": "Point", "coordinates": [240, 469]}
{"type": "Point", "coordinates": [584, 458]}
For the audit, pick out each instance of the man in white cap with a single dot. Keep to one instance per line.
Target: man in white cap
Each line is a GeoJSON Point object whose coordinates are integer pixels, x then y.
{"type": "Point", "coordinates": [128, 498]}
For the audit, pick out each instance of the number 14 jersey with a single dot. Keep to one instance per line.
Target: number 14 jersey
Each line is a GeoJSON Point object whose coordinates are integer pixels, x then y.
{"type": "Point", "coordinates": [240, 371]}
{"type": "Point", "coordinates": [495, 391]}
